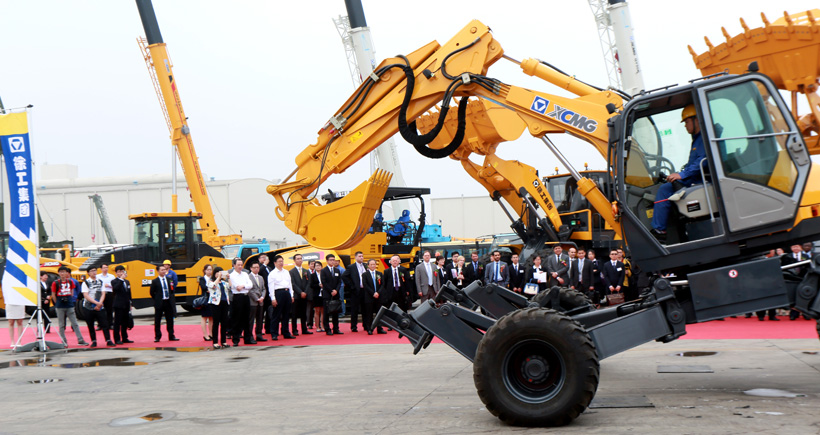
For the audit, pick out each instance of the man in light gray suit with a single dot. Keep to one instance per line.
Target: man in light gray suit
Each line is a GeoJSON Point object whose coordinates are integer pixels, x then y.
{"type": "Point", "coordinates": [496, 272]}
{"type": "Point", "coordinates": [257, 299]}
{"type": "Point", "coordinates": [424, 277]}
{"type": "Point", "coordinates": [558, 267]}
{"type": "Point", "coordinates": [301, 296]}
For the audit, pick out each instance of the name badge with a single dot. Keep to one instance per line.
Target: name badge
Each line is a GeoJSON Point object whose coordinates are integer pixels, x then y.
{"type": "Point", "coordinates": [619, 269]}
{"type": "Point", "coordinates": [337, 273]}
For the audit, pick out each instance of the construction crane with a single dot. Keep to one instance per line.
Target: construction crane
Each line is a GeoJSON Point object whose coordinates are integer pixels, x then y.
{"type": "Point", "coordinates": [615, 31]}
{"type": "Point", "coordinates": [104, 220]}
{"type": "Point", "coordinates": [160, 69]}
{"type": "Point", "coordinates": [361, 59]}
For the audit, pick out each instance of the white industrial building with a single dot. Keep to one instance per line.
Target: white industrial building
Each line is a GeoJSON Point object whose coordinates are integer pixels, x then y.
{"type": "Point", "coordinates": [240, 206]}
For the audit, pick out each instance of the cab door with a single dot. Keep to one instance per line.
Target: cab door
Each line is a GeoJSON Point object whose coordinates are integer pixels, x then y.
{"type": "Point", "coordinates": [761, 161]}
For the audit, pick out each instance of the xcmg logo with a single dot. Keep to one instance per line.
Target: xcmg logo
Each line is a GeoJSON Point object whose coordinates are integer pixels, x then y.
{"type": "Point", "coordinates": [574, 119]}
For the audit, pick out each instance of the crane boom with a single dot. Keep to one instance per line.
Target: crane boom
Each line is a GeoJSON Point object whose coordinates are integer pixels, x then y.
{"type": "Point", "coordinates": [161, 71]}
{"type": "Point", "coordinates": [104, 220]}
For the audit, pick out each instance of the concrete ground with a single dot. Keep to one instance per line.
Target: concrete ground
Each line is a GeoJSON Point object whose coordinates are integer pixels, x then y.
{"type": "Point", "coordinates": [384, 389]}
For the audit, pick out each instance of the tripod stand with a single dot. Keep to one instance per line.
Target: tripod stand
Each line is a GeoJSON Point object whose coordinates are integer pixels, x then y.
{"type": "Point", "coordinates": [40, 344]}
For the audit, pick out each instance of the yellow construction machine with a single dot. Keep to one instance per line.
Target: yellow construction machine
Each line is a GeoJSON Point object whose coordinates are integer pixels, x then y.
{"type": "Point", "coordinates": [537, 362]}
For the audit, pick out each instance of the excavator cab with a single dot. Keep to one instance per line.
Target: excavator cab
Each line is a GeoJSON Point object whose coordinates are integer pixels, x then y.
{"type": "Point", "coordinates": [749, 185]}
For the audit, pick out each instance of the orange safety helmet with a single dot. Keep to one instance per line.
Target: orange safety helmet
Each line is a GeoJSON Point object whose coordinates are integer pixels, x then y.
{"type": "Point", "coordinates": [688, 112]}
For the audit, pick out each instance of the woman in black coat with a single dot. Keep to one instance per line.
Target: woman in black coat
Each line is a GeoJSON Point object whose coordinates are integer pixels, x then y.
{"type": "Point", "coordinates": [207, 316]}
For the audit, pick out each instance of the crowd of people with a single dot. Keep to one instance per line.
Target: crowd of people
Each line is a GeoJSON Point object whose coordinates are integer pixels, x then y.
{"type": "Point", "coordinates": [269, 300]}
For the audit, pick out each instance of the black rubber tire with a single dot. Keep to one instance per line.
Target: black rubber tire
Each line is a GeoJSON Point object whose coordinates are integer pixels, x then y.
{"type": "Point", "coordinates": [78, 309]}
{"type": "Point", "coordinates": [540, 339]}
{"type": "Point", "coordinates": [544, 253]}
{"type": "Point", "coordinates": [569, 298]}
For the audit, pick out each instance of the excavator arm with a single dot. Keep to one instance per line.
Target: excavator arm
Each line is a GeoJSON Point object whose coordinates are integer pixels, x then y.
{"type": "Point", "coordinates": [403, 89]}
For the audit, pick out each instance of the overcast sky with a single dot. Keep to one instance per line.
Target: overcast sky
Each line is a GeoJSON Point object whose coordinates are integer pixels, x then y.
{"type": "Point", "coordinates": [259, 78]}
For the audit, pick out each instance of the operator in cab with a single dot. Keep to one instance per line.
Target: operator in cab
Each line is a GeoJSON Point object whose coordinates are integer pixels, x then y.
{"type": "Point", "coordinates": [689, 174]}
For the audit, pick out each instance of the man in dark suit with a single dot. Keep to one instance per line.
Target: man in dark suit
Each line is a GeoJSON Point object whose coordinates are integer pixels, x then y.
{"type": "Point", "coordinates": [331, 282]}
{"type": "Point", "coordinates": [581, 272]}
{"type": "Point", "coordinates": [352, 279]}
{"type": "Point", "coordinates": [397, 278]}
{"type": "Point", "coordinates": [558, 267]}
{"type": "Point", "coordinates": [613, 273]}
{"type": "Point", "coordinates": [497, 272]}
{"type": "Point", "coordinates": [797, 255]}
{"type": "Point", "coordinates": [452, 263]}
{"type": "Point", "coordinates": [264, 270]}
{"type": "Point", "coordinates": [162, 292]}
{"type": "Point", "coordinates": [256, 296]}
{"type": "Point", "coordinates": [373, 293]}
{"type": "Point", "coordinates": [473, 271]}
{"type": "Point", "coordinates": [518, 275]}
{"type": "Point", "coordinates": [596, 290]}
{"type": "Point", "coordinates": [121, 290]}
{"type": "Point", "coordinates": [301, 295]}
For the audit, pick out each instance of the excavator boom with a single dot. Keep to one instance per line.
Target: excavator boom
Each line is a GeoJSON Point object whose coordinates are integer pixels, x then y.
{"type": "Point", "coordinates": [402, 89]}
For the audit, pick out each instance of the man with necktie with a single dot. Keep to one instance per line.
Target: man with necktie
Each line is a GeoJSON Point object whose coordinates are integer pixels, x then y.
{"type": "Point", "coordinates": [398, 279]}
{"type": "Point", "coordinates": [424, 277]}
{"type": "Point", "coordinates": [121, 292]}
{"type": "Point", "coordinates": [496, 272]}
{"type": "Point", "coordinates": [162, 292]}
{"type": "Point", "coordinates": [352, 279]}
{"type": "Point", "coordinates": [332, 281]}
{"type": "Point", "coordinates": [301, 296]}
{"type": "Point", "coordinates": [373, 293]}
{"type": "Point", "coordinates": [613, 273]}
{"type": "Point", "coordinates": [558, 267]}
{"type": "Point", "coordinates": [517, 275]}
{"type": "Point", "coordinates": [473, 271]}
{"type": "Point", "coordinates": [45, 295]}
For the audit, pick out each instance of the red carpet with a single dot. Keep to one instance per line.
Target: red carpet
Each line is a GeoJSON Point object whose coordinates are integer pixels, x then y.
{"type": "Point", "coordinates": [191, 335]}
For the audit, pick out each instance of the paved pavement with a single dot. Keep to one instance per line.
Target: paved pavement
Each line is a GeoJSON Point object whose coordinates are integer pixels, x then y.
{"type": "Point", "coordinates": [385, 389]}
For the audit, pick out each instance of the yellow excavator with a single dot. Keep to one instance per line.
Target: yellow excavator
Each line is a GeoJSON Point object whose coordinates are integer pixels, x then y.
{"type": "Point", "coordinates": [536, 363]}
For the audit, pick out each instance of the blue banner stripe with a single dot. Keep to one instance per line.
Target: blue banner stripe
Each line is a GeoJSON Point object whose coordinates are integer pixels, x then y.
{"type": "Point", "coordinates": [17, 273]}
{"type": "Point", "coordinates": [17, 248]}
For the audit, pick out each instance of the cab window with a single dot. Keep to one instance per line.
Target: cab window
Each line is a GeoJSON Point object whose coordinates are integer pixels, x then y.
{"type": "Point", "coordinates": [751, 136]}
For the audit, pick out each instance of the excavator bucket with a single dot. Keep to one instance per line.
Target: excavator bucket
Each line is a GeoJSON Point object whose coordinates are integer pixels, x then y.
{"type": "Point", "coordinates": [344, 223]}
{"type": "Point", "coordinates": [786, 50]}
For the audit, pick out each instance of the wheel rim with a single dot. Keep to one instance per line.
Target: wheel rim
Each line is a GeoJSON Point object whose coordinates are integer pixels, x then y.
{"type": "Point", "coordinates": [533, 371]}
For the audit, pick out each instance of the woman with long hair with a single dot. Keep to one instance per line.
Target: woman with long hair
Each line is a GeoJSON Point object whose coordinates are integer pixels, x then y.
{"type": "Point", "coordinates": [207, 315]}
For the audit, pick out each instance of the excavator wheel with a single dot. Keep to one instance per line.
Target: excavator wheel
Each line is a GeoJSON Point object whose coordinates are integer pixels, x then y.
{"type": "Point", "coordinates": [536, 367]}
{"type": "Point", "coordinates": [569, 299]}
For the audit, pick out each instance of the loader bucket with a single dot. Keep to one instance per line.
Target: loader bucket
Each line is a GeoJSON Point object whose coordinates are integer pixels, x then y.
{"type": "Point", "coordinates": [344, 222]}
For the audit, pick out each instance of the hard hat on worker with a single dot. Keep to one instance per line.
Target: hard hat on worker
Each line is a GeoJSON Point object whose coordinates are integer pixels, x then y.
{"type": "Point", "coordinates": [166, 262]}
{"type": "Point", "coordinates": [688, 112]}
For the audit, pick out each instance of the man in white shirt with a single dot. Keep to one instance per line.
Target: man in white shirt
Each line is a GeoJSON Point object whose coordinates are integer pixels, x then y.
{"type": "Point", "coordinates": [280, 285]}
{"type": "Point", "coordinates": [108, 303]}
{"type": "Point", "coordinates": [241, 306]}
{"type": "Point", "coordinates": [94, 307]}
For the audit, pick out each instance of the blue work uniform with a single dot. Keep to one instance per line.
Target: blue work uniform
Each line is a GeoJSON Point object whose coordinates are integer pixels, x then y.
{"type": "Point", "coordinates": [690, 174]}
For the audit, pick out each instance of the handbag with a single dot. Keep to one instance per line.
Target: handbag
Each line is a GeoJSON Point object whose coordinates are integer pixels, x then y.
{"type": "Point", "coordinates": [199, 302]}
{"type": "Point", "coordinates": [531, 288]}
{"type": "Point", "coordinates": [615, 298]}
{"type": "Point", "coordinates": [334, 306]}
{"type": "Point", "coordinates": [129, 323]}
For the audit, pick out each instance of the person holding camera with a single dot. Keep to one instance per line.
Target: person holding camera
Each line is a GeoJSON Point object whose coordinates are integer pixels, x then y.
{"type": "Point", "coordinates": [220, 298]}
